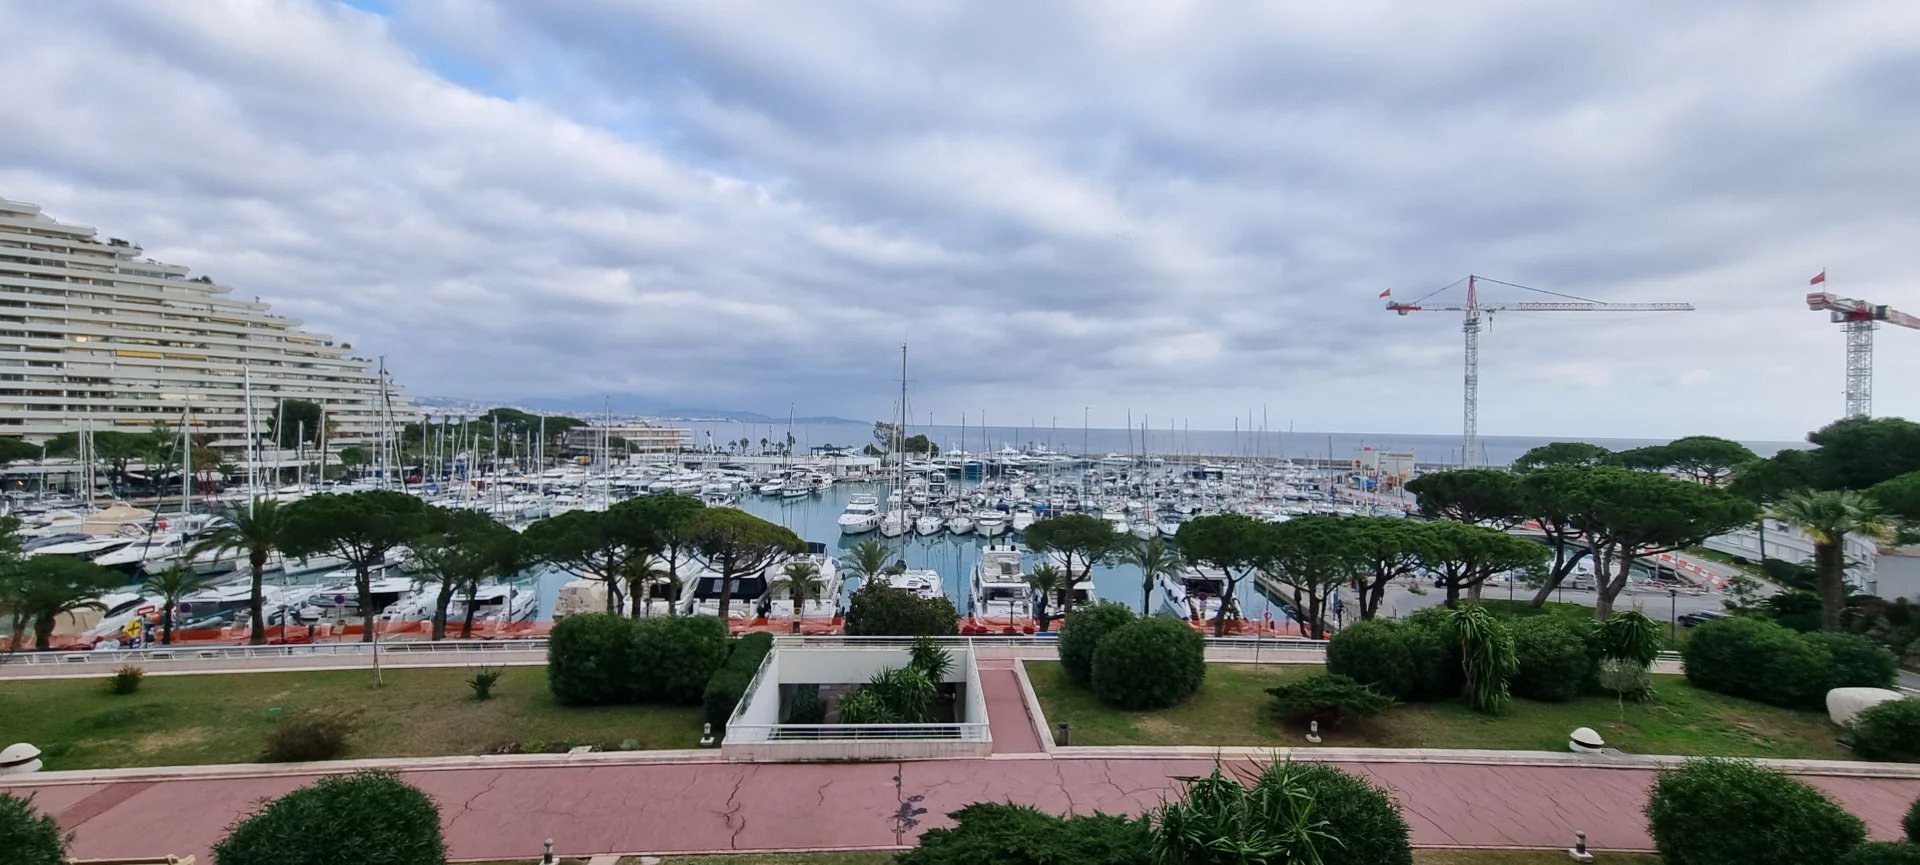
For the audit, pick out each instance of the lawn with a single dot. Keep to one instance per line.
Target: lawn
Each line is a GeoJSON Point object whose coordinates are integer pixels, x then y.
{"type": "Point", "coordinates": [1233, 709]}
{"type": "Point", "coordinates": [1420, 857]}
{"type": "Point", "coordinates": [181, 720]}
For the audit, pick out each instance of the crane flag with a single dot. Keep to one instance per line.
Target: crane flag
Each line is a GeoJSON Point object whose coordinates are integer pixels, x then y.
{"type": "Point", "coordinates": [1387, 293]}
{"type": "Point", "coordinates": [1822, 277]}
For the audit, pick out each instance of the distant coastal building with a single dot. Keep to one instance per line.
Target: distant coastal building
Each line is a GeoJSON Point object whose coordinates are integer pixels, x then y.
{"type": "Point", "coordinates": [639, 438]}
{"type": "Point", "coordinates": [93, 333]}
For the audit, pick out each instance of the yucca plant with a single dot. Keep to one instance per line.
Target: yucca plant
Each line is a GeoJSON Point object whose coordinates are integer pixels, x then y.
{"type": "Point", "coordinates": [930, 658]}
{"type": "Point", "coordinates": [907, 692]}
{"type": "Point", "coordinates": [1246, 817]}
{"type": "Point", "coordinates": [1629, 635]}
{"type": "Point", "coordinates": [864, 706]}
{"type": "Point", "coordinates": [1487, 657]}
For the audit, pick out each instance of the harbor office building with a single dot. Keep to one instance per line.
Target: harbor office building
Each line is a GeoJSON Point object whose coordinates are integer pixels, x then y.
{"type": "Point", "coordinates": [95, 335]}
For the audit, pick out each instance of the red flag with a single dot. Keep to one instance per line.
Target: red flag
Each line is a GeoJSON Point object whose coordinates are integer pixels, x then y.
{"type": "Point", "coordinates": [1818, 279]}
{"type": "Point", "coordinates": [1387, 293]}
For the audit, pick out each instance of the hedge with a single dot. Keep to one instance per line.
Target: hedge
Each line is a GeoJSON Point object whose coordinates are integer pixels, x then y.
{"type": "Point", "coordinates": [1758, 660]}
{"type": "Point", "coordinates": [1328, 698]}
{"type": "Point", "coordinates": [729, 683]}
{"type": "Point", "coordinates": [1733, 812]}
{"type": "Point", "coordinates": [602, 658]}
{"type": "Point", "coordinates": [1911, 823]}
{"type": "Point", "coordinates": [1374, 654]}
{"type": "Point", "coordinates": [1008, 834]}
{"type": "Point", "coordinates": [880, 610]}
{"type": "Point", "coordinates": [1149, 663]}
{"type": "Point", "coordinates": [1882, 853]}
{"type": "Point", "coordinates": [29, 837]}
{"type": "Point", "coordinates": [1556, 660]}
{"type": "Point", "coordinates": [1437, 673]}
{"type": "Point", "coordinates": [367, 818]}
{"type": "Point", "coordinates": [1887, 731]}
{"type": "Point", "coordinates": [1857, 661]}
{"type": "Point", "coordinates": [1081, 633]}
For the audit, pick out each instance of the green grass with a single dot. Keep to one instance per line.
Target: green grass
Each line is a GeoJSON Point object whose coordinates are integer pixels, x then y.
{"type": "Point", "coordinates": [1233, 708]}
{"type": "Point", "coordinates": [182, 720]}
{"type": "Point", "coordinates": [1420, 857]}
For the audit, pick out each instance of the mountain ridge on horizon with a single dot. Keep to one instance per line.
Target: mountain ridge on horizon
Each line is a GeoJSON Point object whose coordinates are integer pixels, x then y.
{"type": "Point", "coordinates": [627, 405]}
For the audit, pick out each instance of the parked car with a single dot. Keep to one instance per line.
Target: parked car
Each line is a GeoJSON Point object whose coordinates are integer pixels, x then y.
{"type": "Point", "coordinates": [1701, 617]}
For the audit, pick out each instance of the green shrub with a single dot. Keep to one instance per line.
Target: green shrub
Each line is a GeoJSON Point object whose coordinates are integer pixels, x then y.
{"type": "Point", "coordinates": [670, 658]}
{"type": "Point", "coordinates": [1286, 812]}
{"type": "Point", "coordinates": [1149, 663]}
{"type": "Point", "coordinates": [1329, 698]}
{"type": "Point", "coordinates": [1008, 834]}
{"type": "Point", "coordinates": [931, 658]}
{"type": "Point", "coordinates": [125, 680]}
{"type": "Point", "coordinates": [1374, 654]}
{"type": "Point", "coordinates": [1857, 661]}
{"type": "Point", "coordinates": [1911, 823]}
{"type": "Point", "coordinates": [482, 682]}
{"type": "Point", "coordinates": [1882, 853]}
{"type": "Point", "coordinates": [1758, 660]}
{"type": "Point", "coordinates": [1436, 659]}
{"type": "Point", "coordinates": [1628, 635]}
{"type": "Point", "coordinates": [729, 683]}
{"type": "Point", "coordinates": [1888, 731]}
{"type": "Point", "coordinates": [587, 660]}
{"type": "Point", "coordinates": [806, 707]}
{"type": "Point", "coordinates": [1081, 633]}
{"type": "Point", "coordinates": [1625, 678]}
{"type": "Point", "coordinates": [880, 610]}
{"type": "Point", "coordinates": [864, 706]}
{"type": "Point", "coordinates": [1554, 661]}
{"type": "Point", "coordinates": [1733, 812]}
{"type": "Point", "coordinates": [1488, 657]}
{"type": "Point", "coordinates": [29, 837]}
{"type": "Point", "coordinates": [308, 738]}
{"type": "Point", "coordinates": [367, 818]}
{"type": "Point", "coordinates": [906, 692]}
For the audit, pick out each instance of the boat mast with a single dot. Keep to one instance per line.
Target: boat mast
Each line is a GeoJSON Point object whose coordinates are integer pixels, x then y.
{"type": "Point", "coordinates": [246, 395]}
{"type": "Point", "coordinates": [186, 458]}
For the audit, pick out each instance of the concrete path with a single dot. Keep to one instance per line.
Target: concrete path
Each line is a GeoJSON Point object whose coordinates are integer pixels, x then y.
{"type": "Point", "coordinates": [495, 813]}
{"type": "Point", "coordinates": [1007, 719]}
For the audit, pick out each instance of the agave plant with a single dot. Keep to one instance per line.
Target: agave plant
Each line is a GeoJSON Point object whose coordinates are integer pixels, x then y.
{"type": "Point", "coordinates": [1266, 816]}
{"type": "Point", "coordinates": [930, 658]}
{"type": "Point", "coordinates": [1487, 656]}
{"type": "Point", "coordinates": [1630, 636]}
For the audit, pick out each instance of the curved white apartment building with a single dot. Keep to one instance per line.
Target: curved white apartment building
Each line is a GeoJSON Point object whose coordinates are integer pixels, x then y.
{"type": "Point", "coordinates": [92, 331]}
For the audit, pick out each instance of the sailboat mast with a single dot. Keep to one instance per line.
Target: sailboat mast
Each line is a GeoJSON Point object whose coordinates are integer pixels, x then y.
{"type": "Point", "coordinates": [246, 395]}
{"type": "Point", "coordinates": [186, 458]}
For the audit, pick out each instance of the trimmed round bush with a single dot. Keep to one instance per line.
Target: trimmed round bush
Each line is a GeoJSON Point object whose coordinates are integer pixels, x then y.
{"type": "Point", "coordinates": [1758, 660]}
{"type": "Point", "coordinates": [1857, 661]}
{"type": "Point", "coordinates": [669, 659]}
{"type": "Point", "coordinates": [1911, 822]}
{"type": "Point", "coordinates": [587, 659]}
{"type": "Point", "coordinates": [1149, 663]}
{"type": "Point", "coordinates": [1362, 816]}
{"type": "Point", "coordinates": [29, 837]}
{"type": "Point", "coordinates": [368, 818]}
{"type": "Point", "coordinates": [1733, 812]}
{"type": "Point", "coordinates": [1555, 661]}
{"type": "Point", "coordinates": [1375, 655]}
{"type": "Point", "coordinates": [1888, 731]}
{"type": "Point", "coordinates": [1437, 674]}
{"type": "Point", "coordinates": [1882, 853]}
{"type": "Point", "coordinates": [1081, 633]}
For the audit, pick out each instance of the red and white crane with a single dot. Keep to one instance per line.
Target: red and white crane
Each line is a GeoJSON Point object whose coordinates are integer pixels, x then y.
{"type": "Point", "coordinates": [1474, 310]}
{"type": "Point", "coordinates": [1858, 318]}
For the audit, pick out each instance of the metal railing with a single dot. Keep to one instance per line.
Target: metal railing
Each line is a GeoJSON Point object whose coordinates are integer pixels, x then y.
{"type": "Point", "coordinates": [854, 732]}
{"type": "Point", "coordinates": [1049, 640]}
{"type": "Point", "coordinates": [297, 650]}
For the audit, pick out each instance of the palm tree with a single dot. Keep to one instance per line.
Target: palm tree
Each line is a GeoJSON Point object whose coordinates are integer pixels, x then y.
{"type": "Point", "coordinates": [868, 559]}
{"type": "Point", "coordinates": [1045, 581]}
{"type": "Point", "coordinates": [171, 585]}
{"type": "Point", "coordinates": [1828, 517]}
{"type": "Point", "coordinates": [802, 583]}
{"type": "Point", "coordinates": [257, 531]}
{"type": "Point", "coordinates": [1155, 559]}
{"type": "Point", "coordinates": [645, 571]}
{"type": "Point", "coordinates": [39, 590]}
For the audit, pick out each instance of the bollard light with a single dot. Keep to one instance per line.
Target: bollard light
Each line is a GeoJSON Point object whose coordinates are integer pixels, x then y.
{"type": "Point", "coordinates": [706, 735]}
{"type": "Point", "coordinates": [1579, 851]}
{"type": "Point", "coordinates": [1063, 734]}
{"type": "Point", "coordinates": [547, 857]}
{"type": "Point", "coordinates": [1313, 732]}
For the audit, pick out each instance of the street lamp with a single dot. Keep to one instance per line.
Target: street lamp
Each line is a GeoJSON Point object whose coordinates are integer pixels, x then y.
{"type": "Point", "coordinates": [1673, 615]}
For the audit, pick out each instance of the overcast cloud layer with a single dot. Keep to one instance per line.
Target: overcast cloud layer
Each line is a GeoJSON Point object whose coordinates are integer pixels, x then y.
{"type": "Point", "coordinates": [1186, 209]}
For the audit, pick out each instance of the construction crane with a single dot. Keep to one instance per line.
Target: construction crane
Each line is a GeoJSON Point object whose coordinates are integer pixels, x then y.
{"type": "Point", "coordinates": [1475, 310]}
{"type": "Point", "coordinates": [1858, 318]}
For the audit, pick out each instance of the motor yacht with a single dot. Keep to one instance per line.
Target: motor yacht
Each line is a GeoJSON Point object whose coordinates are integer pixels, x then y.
{"type": "Point", "coordinates": [922, 582]}
{"type": "Point", "coordinates": [861, 515]}
{"type": "Point", "coordinates": [825, 604]}
{"type": "Point", "coordinates": [998, 588]}
{"type": "Point", "coordinates": [990, 524]}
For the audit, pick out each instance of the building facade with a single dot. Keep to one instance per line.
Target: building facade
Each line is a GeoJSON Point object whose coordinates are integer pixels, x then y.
{"type": "Point", "coordinates": [95, 335]}
{"type": "Point", "coordinates": [638, 438]}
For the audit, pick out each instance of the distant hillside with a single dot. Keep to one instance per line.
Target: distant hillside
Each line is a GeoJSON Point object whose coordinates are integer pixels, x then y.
{"type": "Point", "coordinates": [622, 405]}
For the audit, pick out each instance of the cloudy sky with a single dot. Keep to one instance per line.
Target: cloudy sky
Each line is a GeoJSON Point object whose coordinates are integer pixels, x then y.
{"type": "Point", "coordinates": [1183, 209]}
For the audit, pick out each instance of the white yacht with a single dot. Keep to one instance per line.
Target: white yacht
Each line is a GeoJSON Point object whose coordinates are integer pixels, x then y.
{"type": "Point", "coordinates": [337, 598]}
{"type": "Point", "coordinates": [894, 524]}
{"type": "Point", "coordinates": [862, 515]}
{"type": "Point", "coordinates": [1023, 517]}
{"type": "Point", "coordinates": [924, 582]}
{"type": "Point", "coordinates": [822, 606]}
{"type": "Point", "coordinates": [990, 524]}
{"type": "Point", "coordinates": [998, 589]}
{"type": "Point", "coordinates": [499, 603]}
{"type": "Point", "coordinates": [1193, 594]}
{"type": "Point", "coordinates": [928, 524]}
{"type": "Point", "coordinates": [960, 523]}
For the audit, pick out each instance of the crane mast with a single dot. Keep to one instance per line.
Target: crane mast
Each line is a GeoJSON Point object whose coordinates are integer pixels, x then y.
{"type": "Point", "coordinates": [1472, 314]}
{"type": "Point", "coordinates": [1858, 319]}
